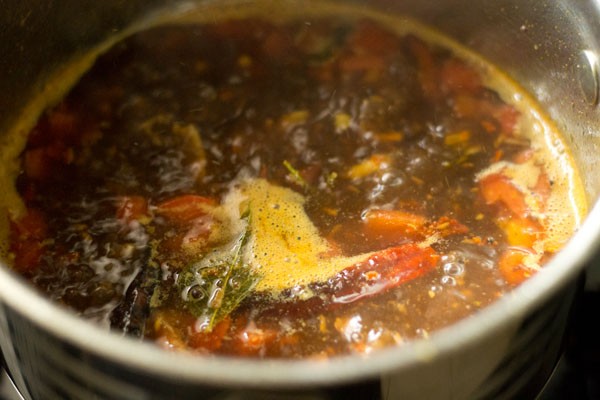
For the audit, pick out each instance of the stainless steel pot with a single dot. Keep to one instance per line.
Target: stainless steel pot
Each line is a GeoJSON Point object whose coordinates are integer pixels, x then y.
{"type": "Point", "coordinates": [550, 47]}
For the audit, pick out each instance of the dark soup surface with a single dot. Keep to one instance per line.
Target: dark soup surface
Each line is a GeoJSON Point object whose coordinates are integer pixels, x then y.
{"type": "Point", "coordinates": [307, 187]}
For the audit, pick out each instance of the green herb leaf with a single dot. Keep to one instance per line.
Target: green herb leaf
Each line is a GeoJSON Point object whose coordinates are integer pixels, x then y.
{"type": "Point", "coordinates": [214, 286]}
{"type": "Point", "coordinates": [295, 174]}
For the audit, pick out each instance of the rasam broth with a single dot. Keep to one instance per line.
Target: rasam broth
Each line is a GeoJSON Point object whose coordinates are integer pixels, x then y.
{"type": "Point", "coordinates": [289, 188]}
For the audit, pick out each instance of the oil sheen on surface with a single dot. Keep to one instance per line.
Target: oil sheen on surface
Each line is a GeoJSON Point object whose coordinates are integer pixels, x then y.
{"type": "Point", "coordinates": [289, 188]}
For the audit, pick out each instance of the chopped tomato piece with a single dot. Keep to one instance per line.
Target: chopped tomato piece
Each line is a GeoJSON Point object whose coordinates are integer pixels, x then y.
{"type": "Point", "coordinates": [37, 163]}
{"type": "Point", "coordinates": [251, 340]}
{"type": "Point", "coordinates": [394, 225]}
{"type": "Point", "coordinates": [27, 255]}
{"type": "Point", "coordinates": [198, 231]}
{"type": "Point", "coordinates": [30, 226]}
{"type": "Point", "coordinates": [428, 72]}
{"type": "Point", "coordinates": [507, 116]}
{"type": "Point", "coordinates": [191, 241]}
{"type": "Point", "coordinates": [458, 77]}
{"type": "Point", "coordinates": [371, 39]}
{"type": "Point", "coordinates": [212, 340]}
{"type": "Point", "coordinates": [370, 47]}
{"type": "Point", "coordinates": [185, 208]}
{"type": "Point", "coordinates": [191, 237]}
{"type": "Point", "coordinates": [512, 265]}
{"type": "Point", "coordinates": [394, 222]}
{"type": "Point", "coordinates": [193, 220]}
{"type": "Point", "coordinates": [131, 208]}
{"type": "Point", "coordinates": [466, 105]}
{"type": "Point", "coordinates": [521, 231]}
{"type": "Point", "coordinates": [175, 329]}
{"type": "Point", "coordinates": [29, 232]}
{"type": "Point", "coordinates": [497, 188]}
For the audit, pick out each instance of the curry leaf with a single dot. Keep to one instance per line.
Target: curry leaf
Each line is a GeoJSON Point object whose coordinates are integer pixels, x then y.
{"type": "Point", "coordinates": [215, 285]}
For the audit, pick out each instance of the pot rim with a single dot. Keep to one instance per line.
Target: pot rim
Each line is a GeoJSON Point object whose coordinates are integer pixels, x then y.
{"type": "Point", "coordinates": [219, 370]}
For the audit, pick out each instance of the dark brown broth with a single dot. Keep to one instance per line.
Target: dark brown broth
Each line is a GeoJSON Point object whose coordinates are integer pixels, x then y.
{"type": "Point", "coordinates": [370, 121]}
